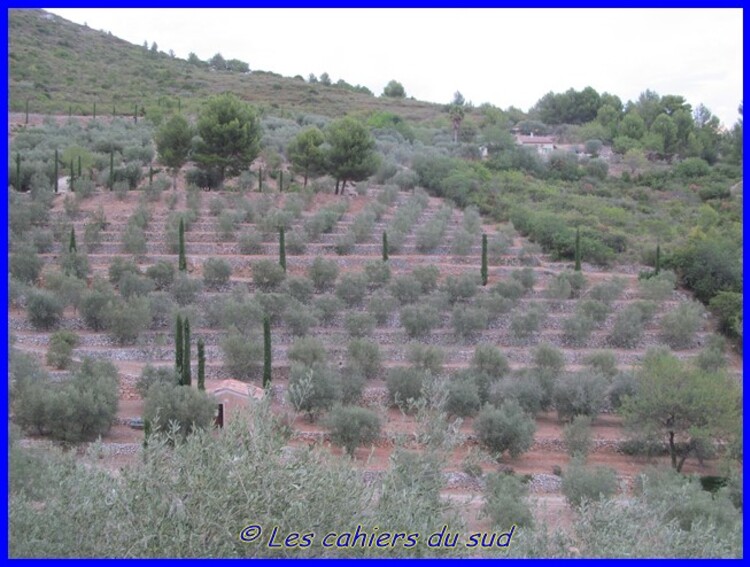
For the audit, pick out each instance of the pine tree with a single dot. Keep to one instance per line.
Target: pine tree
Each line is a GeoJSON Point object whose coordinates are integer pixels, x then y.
{"type": "Point", "coordinates": [578, 250]}
{"type": "Point", "coordinates": [658, 259]}
{"type": "Point", "coordinates": [266, 351]}
{"type": "Point", "coordinates": [182, 262]}
{"type": "Point", "coordinates": [484, 259]}
{"type": "Point", "coordinates": [201, 365]}
{"type": "Point", "coordinates": [385, 246]}
{"type": "Point", "coordinates": [72, 245]}
{"type": "Point", "coordinates": [282, 248]}
{"type": "Point", "coordinates": [178, 345]}
{"type": "Point", "coordinates": [186, 374]}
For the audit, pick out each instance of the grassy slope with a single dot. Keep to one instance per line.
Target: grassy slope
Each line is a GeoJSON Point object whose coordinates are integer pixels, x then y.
{"type": "Point", "coordinates": [57, 64]}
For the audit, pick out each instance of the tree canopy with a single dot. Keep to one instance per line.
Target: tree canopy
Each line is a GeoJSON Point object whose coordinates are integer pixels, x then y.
{"type": "Point", "coordinates": [351, 156]}
{"type": "Point", "coordinates": [229, 132]}
{"type": "Point", "coordinates": [306, 154]}
{"type": "Point", "coordinates": [174, 142]}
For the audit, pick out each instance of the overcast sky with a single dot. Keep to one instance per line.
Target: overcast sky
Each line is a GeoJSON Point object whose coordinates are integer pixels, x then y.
{"type": "Point", "coordinates": [501, 56]}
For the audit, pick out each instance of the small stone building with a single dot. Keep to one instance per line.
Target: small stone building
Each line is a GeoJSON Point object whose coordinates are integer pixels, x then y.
{"type": "Point", "coordinates": [232, 396]}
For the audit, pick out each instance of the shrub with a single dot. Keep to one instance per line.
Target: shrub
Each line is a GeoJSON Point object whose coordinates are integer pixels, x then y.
{"type": "Point", "coordinates": [510, 289]}
{"type": "Point", "coordinates": [658, 287]}
{"type": "Point", "coordinates": [162, 273]}
{"type": "Point", "coordinates": [711, 358]}
{"type": "Point", "coordinates": [380, 306]}
{"type": "Point", "coordinates": [79, 409]}
{"type": "Point", "coordinates": [296, 242]}
{"type": "Point", "coordinates": [75, 264]}
{"type": "Point", "coordinates": [359, 325]}
{"type": "Point", "coordinates": [243, 356]}
{"type": "Point", "coordinates": [353, 426]}
{"type": "Point", "coordinates": [603, 362]}
{"type": "Point", "coordinates": [344, 244]}
{"type": "Point", "coordinates": [581, 484]}
{"type": "Point", "coordinates": [133, 285]}
{"type": "Point", "coordinates": [352, 384]}
{"type": "Point", "coordinates": [577, 436]}
{"type": "Point", "coordinates": [134, 241]}
{"type": "Point", "coordinates": [351, 288]}
{"type": "Point", "coordinates": [69, 289]}
{"type": "Point", "coordinates": [168, 404]}
{"type": "Point", "coordinates": [226, 225]}
{"type": "Point", "coordinates": [162, 306]}
{"type": "Point", "coordinates": [328, 306]}
{"type": "Point", "coordinates": [251, 242]}
{"type": "Point", "coordinates": [609, 291]}
{"type": "Point", "coordinates": [216, 272]}
{"type": "Point", "coordinates": [580, 393]}
{"type": "Point", "coordinates": [427, 277]}
{"type": "Point", "coordinates": [312, 389]}
{"type": "Point", "coordinates": [406, 289]}
{"type": "Point", "coordinates": [267, 275]}
{"type": "Point", "coordinates": [463, 398]}
{"type": "Point", "coordinates": [25, 265]}
{"type": "Point", "coordinates": [678, 327]}
{"type": "Point", "coordinates": [126, 320]}
{"type": "Point", "coordinates": [300, 288]}
{"type": "Point", "coordinates": [185, 289]}
{"type": "Point", "coordinates": [505, 501]}
{"type": "Point", "coordinates": [524, 324]}
{"type": "Point", "coordinates": [727, 306]}
{"type": "Point", "coordinates": [524, 276]}
{"type": "Point", "coordinates": [307, 351]}
{"type": "Point", "coordinates": [60, 350]}
{"type": "Point", "coordinates": [523, 388]}
{"type": "Point", "coordinates": [377, 272]}
{"type": "Point", "coordinates": [364, 357]}
{"type": "Point", "coordinates": [462, 243]}
{"type": "Point", "coordinates": [272, 305]}
{"type": "Point", "coordinates": [461, 288]}
{"type": "Point", "coordinates": [577, 330]}
{"type": "Point", "coordinates": [559, 289]}
{"type": "Point", "coordinates": [493, 305]}
{"type": "Point", "coordinates": [43, 309]}
{"type": "Point", "coordinates": [299, 319]}
{"type": "Point", "coordinates": [120, 266]}
{"type": "Point", "coordinates": [623, 385]}
{"type": "Point", "coordinates": [468, 321]}
{"type": "Point", "coordinates": [507, 428]}
{"type": "Point", "coordinates": [323, 273]}
{"type": "Point", "coordinates": [548, 358]}
{"type": "Point", "coordinates": [497, 247]}
{"type": "Point", "coordinates": [628, 328]}
{"type": "Point", "coordinates": [362, 226]}
{"type": "Point", "coordinates": [404, 384]}
{"type": "Point", "coordinates": [488, 359]}
{"type": "Point", "coordinates": [419, 320]}
{"type": "Point", "coordinates": [596, 310]}
{"type": "Point", "coordinates": [156, 375]}
{"type": "Point", "coordinates": [425, 357]}
{"type": "Point", "coordinates": [94, 305]}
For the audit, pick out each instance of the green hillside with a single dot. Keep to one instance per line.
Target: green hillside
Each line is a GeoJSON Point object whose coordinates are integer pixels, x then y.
{"type": "Point", "coordinates": [60, 66]}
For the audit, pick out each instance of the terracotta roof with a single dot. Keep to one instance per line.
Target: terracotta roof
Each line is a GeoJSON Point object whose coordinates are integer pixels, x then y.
{"type": "Point", "coordinates": [236, 387]}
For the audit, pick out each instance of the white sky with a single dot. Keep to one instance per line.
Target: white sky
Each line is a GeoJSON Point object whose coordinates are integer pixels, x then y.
{"type": "Point", "coordinates": [501, 56]}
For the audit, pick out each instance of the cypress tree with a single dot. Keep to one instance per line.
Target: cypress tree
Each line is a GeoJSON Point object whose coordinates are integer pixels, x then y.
{"type": "Point", "coordinates": [179, 104]}
{"type": "Point", "coordinates": [94, 118]}
{"type": "Point", "coordinates": [578, 250]}
{"type": "Point", "coordinates": [182, 265]}
{"type": "Point", "coordinates": [282, 248]}
{"type": "Point", "coordinates": [18, 171]}
{"type": "Point", "coordinates": [70, 111]}
{"type": "Point", "coordinates": [135, 114]}
{"type": "Point", "coordinates": [56, 160]}
{"type": "Point", "coordinates": [658, 259]}
{"type": "Point", "coordinates": [27, 112]}
{"type": "Point", "coordinates": [111, 169]}
{"type": "Point", "coordinates": [484, 259]}
{"type": "Point", "coordinates": [201, 365]}
{"type": "Point", "coordinates": [79, 166]}
{"type": "Point", "coordinates": [186, 374]}
{"type": "Point", "coordinates": [178, 345]}
{"type": "Point", "coordinates": [72, 176]}
{"type": "Point", "coordinates": [266, 351]}
{"type": "Point", "coordinates": [385, 246]}
{"type": "Point", "coordinates": [150, 175]}
{"type": "Point", "coordinates": [260, 179]}
{"type": "Point", "coordinates": [146, 432]}
{"type": "Point", "coordinates": [72, 245]}
{"type": "Point", "coordinates": [281, 181]}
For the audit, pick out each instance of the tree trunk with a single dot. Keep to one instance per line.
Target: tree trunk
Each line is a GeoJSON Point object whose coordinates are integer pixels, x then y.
{"type": "Point", "coordinates": [673, 451]}
{"type": "Point", "coordinates": [304, 183]}
{"type": "Point", "coordinates": [336, 191]}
